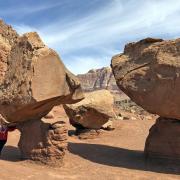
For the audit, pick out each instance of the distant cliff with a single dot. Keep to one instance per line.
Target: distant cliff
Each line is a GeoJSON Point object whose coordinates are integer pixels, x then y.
{"type": "Point", "coordinates": [99, 79]}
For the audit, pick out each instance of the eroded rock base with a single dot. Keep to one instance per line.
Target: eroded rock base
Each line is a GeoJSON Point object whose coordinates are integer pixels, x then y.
{"type": "Point", "coordinates": [43, 142]}
{"type": "Point", "coordinates": [163, 140]}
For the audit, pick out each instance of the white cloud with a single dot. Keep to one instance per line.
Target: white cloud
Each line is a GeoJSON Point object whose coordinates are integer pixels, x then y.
{"type": "Point", "coordinates": [82, 64]}
{"type": "Point", "coordinates": [25, 10]}
{"type": "Point", "coordinates": [112, 21]}
{"type": "Point", "coordinates": [114, 24]}
{"type": "Point", "coordinates": [22, 28]}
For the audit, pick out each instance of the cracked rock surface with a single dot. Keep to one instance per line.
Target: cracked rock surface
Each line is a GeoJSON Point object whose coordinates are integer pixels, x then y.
{"type": "Point", "coordinates": [93, 111]}
{"type": "Point", "coordinates": [34, 79]}
{"type": "Point", "coordinates": [148, 71]}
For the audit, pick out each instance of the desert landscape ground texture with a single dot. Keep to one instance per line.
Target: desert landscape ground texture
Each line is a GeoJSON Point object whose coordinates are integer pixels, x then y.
{"type": "Point", "coordinates": [69, 131]}
{"type": "Point", "coordinates": [114, 155]}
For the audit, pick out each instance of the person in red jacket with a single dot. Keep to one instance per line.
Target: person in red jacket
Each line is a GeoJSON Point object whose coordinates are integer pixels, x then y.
{"type": "Point", "coordinates": [4, 129]}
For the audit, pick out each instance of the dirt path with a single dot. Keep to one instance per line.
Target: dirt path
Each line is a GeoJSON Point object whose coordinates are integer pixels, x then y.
{"type": "Point", "coordinates": [114, 155]}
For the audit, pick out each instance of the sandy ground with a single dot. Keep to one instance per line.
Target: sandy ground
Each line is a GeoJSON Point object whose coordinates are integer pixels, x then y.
{"type": "Point", "coordinates": [114, 155]}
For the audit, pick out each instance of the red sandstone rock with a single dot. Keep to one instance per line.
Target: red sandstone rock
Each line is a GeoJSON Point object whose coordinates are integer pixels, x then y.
{"type": "Point", "coordinates": [43, 142]}
{"type": "Point", "coordinates": [148, 71]}
{"type": "Point", "coordinates": [35, 81]}
{"type": "Point", "coordinates": [92, 112]}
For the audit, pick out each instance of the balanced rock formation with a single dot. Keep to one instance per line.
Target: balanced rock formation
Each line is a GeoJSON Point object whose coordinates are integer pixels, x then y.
{"type": "Point", "coordinates": [149, 73]}
{"type": "Point", "coordinates": [92, 112]}
{"type": "Point", "coordinates": [35, 81]}
{"type": "Point", "coordinates": [43, 142]}
{"type": "Point", "coordinates": [97, 79]}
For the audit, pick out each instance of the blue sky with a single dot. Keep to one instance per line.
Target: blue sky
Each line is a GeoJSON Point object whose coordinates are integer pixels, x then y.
{"type": "Point", "coordinates": [87, 33]}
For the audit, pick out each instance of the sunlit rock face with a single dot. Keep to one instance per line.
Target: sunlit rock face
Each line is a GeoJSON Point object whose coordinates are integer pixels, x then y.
{"type": "Point", "coordinates": [92, 112]}
{"type": "Point", "coordinates": [34, 78]}
{"type": "Point", "coordinates": [148, 71]}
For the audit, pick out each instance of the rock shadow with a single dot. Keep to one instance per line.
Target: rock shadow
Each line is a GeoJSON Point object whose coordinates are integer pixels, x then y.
{"type": "Point", "coordinates": [71, 132]}
{"type": "Point", "coordinates": [119, 157]}
{"type": "Point", "coordinates": [11, 153]}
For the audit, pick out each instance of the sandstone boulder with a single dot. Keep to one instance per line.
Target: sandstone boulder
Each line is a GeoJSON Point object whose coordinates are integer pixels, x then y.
{"type": "Point", "coordinates": [35, 81]}
{"type": "Point", "coordinates": [92, 112]}
{"type": "Point", "coordinates": [148, 71]}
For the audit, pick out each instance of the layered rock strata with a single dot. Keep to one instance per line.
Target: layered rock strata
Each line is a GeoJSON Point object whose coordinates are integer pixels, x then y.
{"type": "Point", "coordinates": [43, 142]}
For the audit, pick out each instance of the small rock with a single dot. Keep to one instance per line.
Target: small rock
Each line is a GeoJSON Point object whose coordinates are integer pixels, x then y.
{"type": "Point", "coordinates": [92, 112]}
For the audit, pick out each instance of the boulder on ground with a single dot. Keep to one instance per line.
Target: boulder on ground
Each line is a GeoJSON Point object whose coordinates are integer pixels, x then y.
{"type": "Point", "coordinates": [92, 112]}
{"type": "Point", "coordinates": [43, 142]}
{"type": "Point", "coordinates": [164, 140]}
{"type": "Point", "coordinates": [35, 81]}
{"type": "Point", "coordinates": [149, 73]}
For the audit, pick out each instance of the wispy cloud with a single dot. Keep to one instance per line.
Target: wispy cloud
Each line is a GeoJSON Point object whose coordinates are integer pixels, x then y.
{"type": "Point", "coordinates": [28, 9]}
{"type": "Point", "coordinates": [106, 29]}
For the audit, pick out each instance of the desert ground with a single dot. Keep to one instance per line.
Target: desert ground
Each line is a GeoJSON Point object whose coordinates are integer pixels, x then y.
{"type": "Point", "coordinates": [114, 155]}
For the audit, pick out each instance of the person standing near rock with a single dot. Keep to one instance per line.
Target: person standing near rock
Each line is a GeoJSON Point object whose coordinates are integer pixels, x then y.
{"type": "Point", "coordinates": [4, 129]}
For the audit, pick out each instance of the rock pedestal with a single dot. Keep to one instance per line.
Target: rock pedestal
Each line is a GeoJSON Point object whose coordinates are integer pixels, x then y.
{"type": "Point", "coordinates": [43, 142]}
{"type": "Point", "coordinates": [163, 140]}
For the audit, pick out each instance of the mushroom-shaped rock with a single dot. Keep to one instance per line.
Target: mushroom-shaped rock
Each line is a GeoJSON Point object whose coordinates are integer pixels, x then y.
{"type": "Point", "coordinates": [92, 112]}
{"type": "Point", "coordinates": [35, 81]}
{"type": "Point", "coordinates": [149, 73]}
